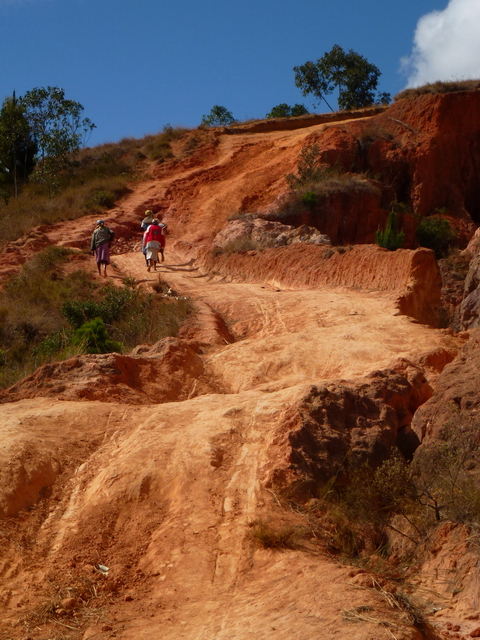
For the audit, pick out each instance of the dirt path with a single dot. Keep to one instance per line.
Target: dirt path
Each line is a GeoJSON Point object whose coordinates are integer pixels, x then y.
{"type": "Point", "coordinates": [290, 337]}
{"type": "Point", "coordinates": [164, 495]}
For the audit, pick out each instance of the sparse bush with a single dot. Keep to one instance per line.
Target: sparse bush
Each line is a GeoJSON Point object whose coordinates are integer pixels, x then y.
{"type": "Point", "coordinates": [241, 243]}
{"type": "Point", "coordinates": [390, 238]}
{"type": "Point", "coordinates": [443, 471]}
{"type": "Point", "coordinates": [436, 233]}
{"type": "Point", "coordinates": [276, 535]}
{"type": "Point", "coordinates": [103, 199]}
{"type": "Point", "coordinates": [310, 168]}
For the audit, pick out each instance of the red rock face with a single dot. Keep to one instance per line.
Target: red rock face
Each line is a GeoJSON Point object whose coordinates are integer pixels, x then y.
{"type": "Point", "coordinates": [424, 153]}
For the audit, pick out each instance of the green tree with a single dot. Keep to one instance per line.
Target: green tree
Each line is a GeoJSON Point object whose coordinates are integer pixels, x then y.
{"type": "Point", "coordinates": [218, 117]}
{"type": "Point", "coordinates": [391, 238]}
{"type": "Point", "coordinates": [355, 78]}
{"type": "Point", "coordinates": [17, 148]}
{"type": "Point", "coordinates": [57, 128]}
{"type": "Point", "coordinates": [286, 111]}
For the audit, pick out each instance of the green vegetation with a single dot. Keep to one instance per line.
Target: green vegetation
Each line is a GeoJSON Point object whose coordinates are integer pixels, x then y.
{"type": "Point", "coordinates": [355, 78]}
{"type": "Point", "coordinates": [390, 238]}
{"type": "Point", "coordinates": [47, 316]}
{"type": "Point", "coordinates": [93, 182]}
{"type": "Point", "coordinates": [93, 337]}
{"type": "Point", "coordinates": [436, 233]}
{"type": "Point", "coordinates": [57, 128]}
{"type": "Point", "coordinates": [286, 111]}
{"type": "Point", "coordinates": [218, 117]}
{"type": "Point", "coordinates": [17, 147]}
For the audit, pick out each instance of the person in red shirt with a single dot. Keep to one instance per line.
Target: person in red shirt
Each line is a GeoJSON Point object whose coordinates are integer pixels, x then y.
{"type": "Point", "coordinates": [154, 243]}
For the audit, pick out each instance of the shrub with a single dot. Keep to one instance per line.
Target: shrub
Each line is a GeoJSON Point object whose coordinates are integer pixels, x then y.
{"type": "Point", "coordinates": [241, 243]}
{"type": "Point", "coordinates": [94, 338]}
{"type": "Point", "coordinates": [442, 470]}
{"type": "Point", "coordinates": [436, 233]}
{"type": "Point", "coordinates": [309, 199]}
{"type": "Point", "coordinates": [286, 111]}
{"type": "Point", "coordinates": [310, 168]}
{"type": "Point", "coordinates": [391, 238]}
{"type": "Point", "coordinates": [218, 117]}
{"type": "Point", "coordinates": [103, 199]}
{"type": "Point", "coordinates": [60, 305]}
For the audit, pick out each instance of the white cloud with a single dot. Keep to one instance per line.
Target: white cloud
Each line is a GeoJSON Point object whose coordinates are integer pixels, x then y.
{"type": "Point", "coordinates": [446, 45]}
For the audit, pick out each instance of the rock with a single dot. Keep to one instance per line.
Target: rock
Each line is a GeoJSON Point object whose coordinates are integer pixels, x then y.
{"type": "Point", "coordinates": [456, 389]}
{"type": "Point", "coordinates": [266, 233]}
{"type": "Point", "coordinates": [468, 313]}
{"type": "Point", "coordinates": [339, 422]}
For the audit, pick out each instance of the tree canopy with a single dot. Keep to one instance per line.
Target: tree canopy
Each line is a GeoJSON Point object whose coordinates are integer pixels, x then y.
{"type": "Point", "coordinates": [286, 111]}
{"type": "Point", "coordinates": [218, 117]}
{"type": "Point", "coordinates": [17, 148]}
{"type": "Point", "coordinates": [350, 72]}
{"type": "Point", "coordinates": [56, 126]}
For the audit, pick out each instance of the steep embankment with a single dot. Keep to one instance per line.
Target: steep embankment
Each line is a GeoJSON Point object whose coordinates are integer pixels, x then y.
{"type": "Point", "coordinates": [154, 465]}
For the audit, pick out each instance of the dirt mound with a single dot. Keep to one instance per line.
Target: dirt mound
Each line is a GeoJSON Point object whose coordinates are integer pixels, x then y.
{"type": "Point", "coordinates": [168, 371]}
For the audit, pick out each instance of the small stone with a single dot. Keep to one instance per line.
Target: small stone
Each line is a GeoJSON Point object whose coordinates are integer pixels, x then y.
{"type": "Point", "coordinates": [475, 633]}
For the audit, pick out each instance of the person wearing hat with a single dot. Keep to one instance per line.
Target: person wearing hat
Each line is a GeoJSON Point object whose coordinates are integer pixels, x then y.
{"type": "Point", "coordinates": [100, 246]}
{"type": "Point", "coordinates": [147, 221]}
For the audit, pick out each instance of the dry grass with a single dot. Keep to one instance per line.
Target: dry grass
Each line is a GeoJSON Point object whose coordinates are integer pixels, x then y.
{"type": "Point", "coordinates": [439, 87]}
{"type": "Point", "coordinates": [68, 608]}
{"type": "Point", "coordinates": [273, 533]}
{"type": "Point", "coordinates": [96, 179]}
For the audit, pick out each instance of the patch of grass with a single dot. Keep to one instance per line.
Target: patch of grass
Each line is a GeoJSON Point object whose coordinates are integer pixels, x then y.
{"type": "Point", "coordinates": [239, 244]}
{"type": "Point", "coordinates": [272, 534]}
{"type": "Point", "coordinates": [159, 148]}
{"type": "Point", "coordinates": [439, 87]}
{"type": "Point", "coordinates": [57, 305]}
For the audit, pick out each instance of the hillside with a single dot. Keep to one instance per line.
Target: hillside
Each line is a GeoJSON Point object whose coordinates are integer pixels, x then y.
{"type": "Point", "coordinates": [135, 487]}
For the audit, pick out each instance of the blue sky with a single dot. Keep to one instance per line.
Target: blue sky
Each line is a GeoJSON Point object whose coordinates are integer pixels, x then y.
{"type": "Point", "coordinates": [137, 65]}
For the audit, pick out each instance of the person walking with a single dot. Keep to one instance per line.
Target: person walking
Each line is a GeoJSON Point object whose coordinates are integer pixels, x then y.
{"type": "Point", "coordinates": [100, 246]}
{"type": "Point", "coordinates": [153, 243]}
{"type": "Point", "coordinates": [146, 222]}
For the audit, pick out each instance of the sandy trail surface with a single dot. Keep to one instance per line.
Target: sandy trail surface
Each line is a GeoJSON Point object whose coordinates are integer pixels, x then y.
{"type": "Point", "coordinates": [164, 495]}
